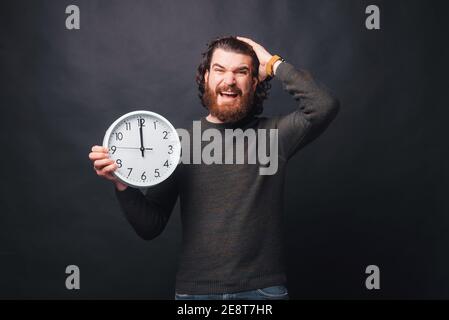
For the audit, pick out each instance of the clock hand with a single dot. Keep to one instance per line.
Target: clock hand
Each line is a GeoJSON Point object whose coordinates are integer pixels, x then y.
{"type": "Point", "coordinates": [142, 149]}
{"type": "Point", "coordinates": [133, 148]}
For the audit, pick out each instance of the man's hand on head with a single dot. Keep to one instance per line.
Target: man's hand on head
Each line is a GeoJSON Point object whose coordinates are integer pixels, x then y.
{"type": "Point", "coordinates": [262, 54]}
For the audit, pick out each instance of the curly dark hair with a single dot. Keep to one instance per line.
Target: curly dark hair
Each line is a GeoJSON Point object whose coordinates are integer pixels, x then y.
{"type": "Point", "coordinates": [231, 43]}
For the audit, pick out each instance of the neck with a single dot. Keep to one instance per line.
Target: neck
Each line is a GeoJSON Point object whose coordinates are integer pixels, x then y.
{"type": "Point", "coordinates": [213, 119]}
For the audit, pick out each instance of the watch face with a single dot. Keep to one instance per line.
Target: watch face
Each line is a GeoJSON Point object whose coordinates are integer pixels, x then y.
{"type": "Point", "coordinates": [145, 147]}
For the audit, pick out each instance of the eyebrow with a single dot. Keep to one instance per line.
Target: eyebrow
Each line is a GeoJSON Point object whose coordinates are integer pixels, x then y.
{"type": "Point", "coordinates": [238, 68]}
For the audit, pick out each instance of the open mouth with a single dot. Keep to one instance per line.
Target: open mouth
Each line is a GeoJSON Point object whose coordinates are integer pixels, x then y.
{"type": "Point", "coordinates": [231, 95]}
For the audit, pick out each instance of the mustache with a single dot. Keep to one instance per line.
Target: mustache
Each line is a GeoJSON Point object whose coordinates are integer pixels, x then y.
{"type": "Point", "coordinates": [232, 89]}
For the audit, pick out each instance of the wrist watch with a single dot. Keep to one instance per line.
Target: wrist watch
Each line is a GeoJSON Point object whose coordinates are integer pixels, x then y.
{"type": "Point", "coordinates": [270, 64]}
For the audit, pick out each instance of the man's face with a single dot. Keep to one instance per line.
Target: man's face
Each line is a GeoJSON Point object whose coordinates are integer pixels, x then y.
{"type": "Point", "coordinates": [229, 85]}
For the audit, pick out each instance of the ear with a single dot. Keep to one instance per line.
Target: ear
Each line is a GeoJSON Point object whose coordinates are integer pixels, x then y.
{"type": "Point", "coordinates": [255, 82]}
{"type": "Point", "coordinates": [206, 76]}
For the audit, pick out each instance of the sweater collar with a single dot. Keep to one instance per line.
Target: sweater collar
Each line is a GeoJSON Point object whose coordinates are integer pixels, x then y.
{"type": "Point", "coordinates": [242, 123]}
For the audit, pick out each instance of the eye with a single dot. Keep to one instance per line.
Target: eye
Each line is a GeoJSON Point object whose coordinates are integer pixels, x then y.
{"type": "Point", "coordinates": [218, 70]}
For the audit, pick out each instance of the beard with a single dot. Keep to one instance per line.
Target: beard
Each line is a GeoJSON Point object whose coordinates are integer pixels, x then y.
{"type": "Point", "coordinates": [228, 111]}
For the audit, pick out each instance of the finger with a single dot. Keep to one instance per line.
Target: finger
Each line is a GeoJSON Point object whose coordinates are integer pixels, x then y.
{"type": "Point", "coordinates": [110, 176]}
{"type": "Point", "coordinates": [107, 175]}
{"type": "Point", "coordinates": [109, 169]}
{"type": "Point", "coordinates": [244, 39]}
{"type": "Point", "coordinates": [100, 164]}
{"type": "Point", "coordinates": [99, 149]}
{"type": "Point", "coordinates": [248, 41]}
{"type": "Point", "coordinates": [98, 155]}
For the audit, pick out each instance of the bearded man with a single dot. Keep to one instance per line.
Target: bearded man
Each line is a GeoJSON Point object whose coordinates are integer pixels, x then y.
{"type": "Point", "coordinates": [231, 215]}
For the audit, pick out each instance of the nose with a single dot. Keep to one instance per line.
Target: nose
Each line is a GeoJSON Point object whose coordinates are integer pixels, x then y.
{"type": "Point", "coordinates": [229, 78]}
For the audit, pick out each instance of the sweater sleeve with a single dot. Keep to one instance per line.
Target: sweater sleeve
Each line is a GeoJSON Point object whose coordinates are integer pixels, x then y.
{"type": "Point", "coordinates": [316, 108]}
{"type": "Point", "coordinates": [149, 213]}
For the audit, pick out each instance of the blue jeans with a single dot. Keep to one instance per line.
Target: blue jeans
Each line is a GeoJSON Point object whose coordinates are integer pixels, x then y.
{"type": "Point", "coordinates": [268, 293]}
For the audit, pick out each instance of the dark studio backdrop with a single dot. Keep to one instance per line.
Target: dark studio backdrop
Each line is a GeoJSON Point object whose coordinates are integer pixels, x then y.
{"type": "Point", "coordinates": [372, 190]}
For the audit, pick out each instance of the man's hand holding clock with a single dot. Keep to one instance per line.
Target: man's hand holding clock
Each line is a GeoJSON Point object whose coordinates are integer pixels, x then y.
{"type": "Point", "coordinates": [105, 166]}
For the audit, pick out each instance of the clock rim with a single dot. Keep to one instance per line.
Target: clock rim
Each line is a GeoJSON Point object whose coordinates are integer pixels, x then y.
{"type": "Point", "coordinates": [156, 115]}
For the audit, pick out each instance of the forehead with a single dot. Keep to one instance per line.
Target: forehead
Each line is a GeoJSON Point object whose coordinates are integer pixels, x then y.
{"type": "Point", "coordinates": [230, 59]}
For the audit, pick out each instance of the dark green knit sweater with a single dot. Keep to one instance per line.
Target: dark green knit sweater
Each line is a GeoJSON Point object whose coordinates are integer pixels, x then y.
{"type": "Point", "coordinates": [231, 215]}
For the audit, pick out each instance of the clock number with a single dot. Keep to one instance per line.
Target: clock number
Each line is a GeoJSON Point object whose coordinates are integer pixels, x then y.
{"type": "Point", "coordinates": [113, 148]}
{"type": "Point", "coordinates": [119, 163]}
{"type": "Point", "coordinates": [171, 149]}
{"type": "Point", "coordinates": [156, 173]}
{"type": "Point", "coordinates": [166, 164]}
{"type": "Point", "coordinates": [141, 122]}
{"type": "Point", "coordinates": [128, 125]}
{"type": "Point", "coordinates": [130, 170]}
{"type": "Point", "coordinates": [155, 124]}
{"type": "Point", "coordinates": [166, 134]}
{"type": "Point", "coordinates": [118, 135]}
{"type": "Point", "coordinates": [143, 176]}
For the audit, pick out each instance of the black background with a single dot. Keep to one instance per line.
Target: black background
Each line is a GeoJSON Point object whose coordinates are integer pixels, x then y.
{"type": "Point", "coordinates": [372, 190]}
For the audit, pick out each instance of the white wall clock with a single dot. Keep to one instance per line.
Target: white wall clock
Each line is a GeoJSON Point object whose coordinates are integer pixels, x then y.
{"type": "Point", "coordinates": [145, 146]}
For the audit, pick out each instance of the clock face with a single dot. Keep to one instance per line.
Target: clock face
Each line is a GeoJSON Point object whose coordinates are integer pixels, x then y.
{"type": "Point", "coordinates": [145, 147]}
